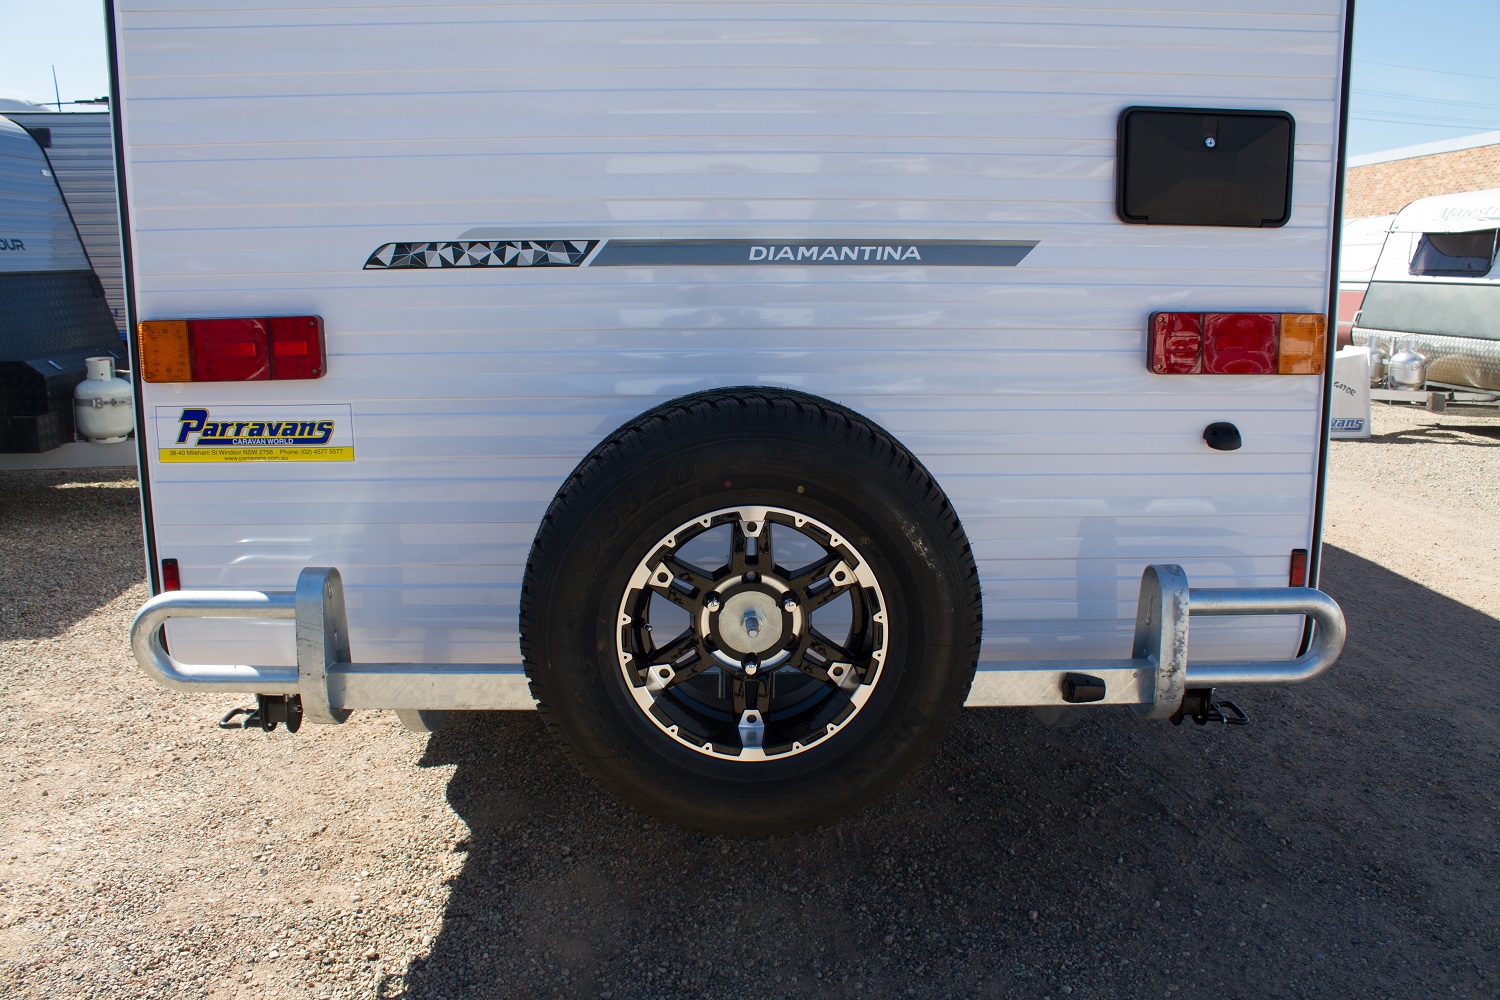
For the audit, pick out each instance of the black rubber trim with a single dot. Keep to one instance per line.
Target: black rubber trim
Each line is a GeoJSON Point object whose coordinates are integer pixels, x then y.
{"type": "Point", "coordinates": [1315, 549]}
{"type": "Point", "coordinates": [116, 106]}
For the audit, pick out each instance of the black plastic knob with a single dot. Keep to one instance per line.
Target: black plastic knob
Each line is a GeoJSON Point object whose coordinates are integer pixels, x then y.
{"type": "Point", "coordinates": [1078, 689]}
{"type": "Point", "coordinates": [1222, 436]}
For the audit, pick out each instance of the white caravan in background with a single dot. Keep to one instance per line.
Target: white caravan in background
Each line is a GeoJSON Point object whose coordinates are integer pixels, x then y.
{"type": "Point", "coordinates": [746, 386]}
{"type": "Point", "coordinates": [1359, 247]}
{"type": "Point", "coordinates": [1436, 289]}
{"type": "Point", "coordinates": [54, 318]}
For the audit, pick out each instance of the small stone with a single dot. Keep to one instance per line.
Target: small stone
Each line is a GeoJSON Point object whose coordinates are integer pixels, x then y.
{"type": "Point", "coordinates": [1067, 989]}
{"type": "Point", "coordinates": [566, 850]}
{"type": "Point", "coordinates": [889, 939]}
{"type": "Point", "coordinates": [371, 955]}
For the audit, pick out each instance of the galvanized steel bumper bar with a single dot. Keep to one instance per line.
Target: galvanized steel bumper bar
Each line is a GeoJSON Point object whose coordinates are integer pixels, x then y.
{"type": "Point", "coordinates": [1153, 679]}
{"type": "Point", "coordinates": [1159, 672]}
{"type": "Point", "coordinates": [329, 683]}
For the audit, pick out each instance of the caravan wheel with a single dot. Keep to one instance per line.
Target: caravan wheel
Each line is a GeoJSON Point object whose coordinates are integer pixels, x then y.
{"type": "Point", "coordinates": [749, 612]}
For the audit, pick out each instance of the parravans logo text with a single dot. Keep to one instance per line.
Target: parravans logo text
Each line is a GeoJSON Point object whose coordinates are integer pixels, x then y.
{"type": "Point", "coordinates": [842, 251]}
{"type": "Point", "coordinates": [213, 433]}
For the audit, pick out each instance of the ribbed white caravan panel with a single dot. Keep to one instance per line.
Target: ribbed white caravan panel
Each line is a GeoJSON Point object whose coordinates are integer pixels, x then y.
{"type": "Point", "coordinates": [272, 146]}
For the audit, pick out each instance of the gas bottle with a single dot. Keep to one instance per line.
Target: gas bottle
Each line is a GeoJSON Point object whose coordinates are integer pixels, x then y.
{"type": "Point", "coordinates": [103, 405]}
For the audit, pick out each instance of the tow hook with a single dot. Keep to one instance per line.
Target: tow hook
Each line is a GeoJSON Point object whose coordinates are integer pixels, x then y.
{"type": "Point", "coordinates": [1198, 704]}
{"type": "Point", "coordinates": [270, 711]}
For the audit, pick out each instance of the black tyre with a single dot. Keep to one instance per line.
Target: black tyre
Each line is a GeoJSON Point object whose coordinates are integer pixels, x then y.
{"type": "Point", "coordinates": [749, 612]}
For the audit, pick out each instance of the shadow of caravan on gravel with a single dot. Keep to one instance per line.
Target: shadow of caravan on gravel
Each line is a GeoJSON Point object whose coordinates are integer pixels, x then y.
{"type": "Point", "coordinates": [1017, 846]}
{"type": "Point", "coordinates": [747, 428]}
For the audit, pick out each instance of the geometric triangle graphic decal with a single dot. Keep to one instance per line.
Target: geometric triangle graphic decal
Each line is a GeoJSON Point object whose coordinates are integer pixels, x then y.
{"type": "Point", "coordinates": [480, 253]}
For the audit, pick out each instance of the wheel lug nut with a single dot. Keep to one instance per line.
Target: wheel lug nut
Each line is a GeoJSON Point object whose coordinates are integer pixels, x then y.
{"type": "Point", "coordinates": [712, 603]}
{"type": "Point", "coordinates": [789, 604]}
{"type": "Point", "coordinates": [752, 666]}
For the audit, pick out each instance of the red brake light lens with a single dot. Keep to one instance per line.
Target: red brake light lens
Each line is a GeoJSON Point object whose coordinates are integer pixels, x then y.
{"type": "Point", "coordinates": [228, 350]}
{"type": "Point", "coordinates": [1176, 343]}
{"type": "Point", "coordinates": [1240, 343]}
{"type": "Point", "coordinates": [233, 350]}
{"type": "Point", "coordinates": [296, 347]}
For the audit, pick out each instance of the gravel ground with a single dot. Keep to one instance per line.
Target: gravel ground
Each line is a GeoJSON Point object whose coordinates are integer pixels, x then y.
{"type": "Point", "coordinates": [1343, 845]}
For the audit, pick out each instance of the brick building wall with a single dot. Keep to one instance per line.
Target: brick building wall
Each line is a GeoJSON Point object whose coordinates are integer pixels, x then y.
{"type": "Point", "coordinates": [1382, 188]}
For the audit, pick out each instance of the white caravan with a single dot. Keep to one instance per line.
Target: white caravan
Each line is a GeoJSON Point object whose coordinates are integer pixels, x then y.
{"type": "Point", "coordinates": [54, 317]}
{"type": "Point", "coordinates": [746, 386]}
{"type": "Point", "coordinates": [1359, 248]}
{"type": "Point", "coordinates": [79, 148]}
{"type": "Point", "coordinates": [1436, 289]}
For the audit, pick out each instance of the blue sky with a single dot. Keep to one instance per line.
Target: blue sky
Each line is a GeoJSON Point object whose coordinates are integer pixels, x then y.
{"type": "Point", "coordinates": [1422, 71]}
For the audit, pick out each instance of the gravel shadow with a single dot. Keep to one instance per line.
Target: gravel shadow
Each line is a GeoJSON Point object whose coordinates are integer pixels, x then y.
{"type": "Point", "coordinates": [1447, 432]}
{"type": "Point", "coordinates": [1342, 845]}
{"type": "Point", "coordinates": [59, 535]}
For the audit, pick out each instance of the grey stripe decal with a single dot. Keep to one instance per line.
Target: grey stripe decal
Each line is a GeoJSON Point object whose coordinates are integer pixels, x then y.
{"type": "Point", "coordinates": [803, 253]}
{"type": "Point", "coordinates": [699, 253]}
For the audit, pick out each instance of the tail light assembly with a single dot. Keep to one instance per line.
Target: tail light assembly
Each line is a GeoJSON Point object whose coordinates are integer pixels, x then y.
{"type": "Point", "coordinates": [1190, 343]}
{"type": "Point", "coordinates": [232, 350]}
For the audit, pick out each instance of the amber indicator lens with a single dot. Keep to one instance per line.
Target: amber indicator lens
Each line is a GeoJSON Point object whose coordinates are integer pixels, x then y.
{"type": "Point", "coordinates": [164, 351]}
{"type": "Point", "coordinates": [1304, 343]}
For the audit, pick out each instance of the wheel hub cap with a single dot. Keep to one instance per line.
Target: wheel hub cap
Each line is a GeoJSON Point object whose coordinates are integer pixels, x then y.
{"type": "Point", "coordinates": [750, 622]}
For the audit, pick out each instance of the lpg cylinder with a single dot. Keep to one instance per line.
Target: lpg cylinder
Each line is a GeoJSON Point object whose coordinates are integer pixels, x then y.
{"type": "Point", "coordinates": [103, 405]}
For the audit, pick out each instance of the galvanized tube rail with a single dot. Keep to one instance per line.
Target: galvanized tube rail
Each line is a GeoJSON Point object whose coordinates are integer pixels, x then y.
{"type": "Point", "coordinates": [1328, 636]}
{"type": "Point", "coordinates": [162, 667]}
{"type": "Point", "coordinates": [1154, 679]}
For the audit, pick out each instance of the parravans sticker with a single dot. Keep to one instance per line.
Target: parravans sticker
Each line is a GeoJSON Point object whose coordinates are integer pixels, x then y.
{"type": "Point", "coordinates": [320, 433]}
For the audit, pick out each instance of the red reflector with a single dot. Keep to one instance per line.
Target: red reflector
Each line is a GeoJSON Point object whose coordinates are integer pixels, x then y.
{"type": "Point", "coordinates": [229, 350]}
{"type": "Point", "coordinates": [1240, 343]}
{"type": "Point", "coordinates": [1298, 576]}
{"type": "Point", "coordinates": [171, 579]}
{"type": "Point", "coordinates": [296, 347]}
{"type": "Point", "coordinates": [1176, 343]}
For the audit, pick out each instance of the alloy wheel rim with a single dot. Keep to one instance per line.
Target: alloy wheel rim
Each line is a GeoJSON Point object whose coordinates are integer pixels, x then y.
{"type": "Point", "coordinates": [745, 668]}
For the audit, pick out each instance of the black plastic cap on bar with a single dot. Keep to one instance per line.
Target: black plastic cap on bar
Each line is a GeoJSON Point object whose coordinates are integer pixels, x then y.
{"type": "Point", "coordinates": [1078, 689]}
